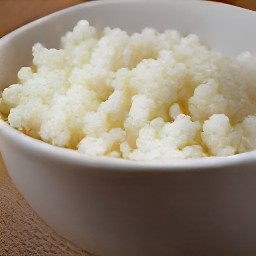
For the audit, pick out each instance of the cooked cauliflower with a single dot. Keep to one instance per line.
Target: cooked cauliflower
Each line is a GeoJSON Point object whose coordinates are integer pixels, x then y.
{"type": "Point", "coordinates": [220, 137]}
{"type": "Point", "coordinates": [148, 96]}
{"type": "Point", "coordinates": [161, 140]}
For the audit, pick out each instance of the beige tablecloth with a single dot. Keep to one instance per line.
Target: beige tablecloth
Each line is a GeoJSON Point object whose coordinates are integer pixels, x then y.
{"type": "Point", "coordinates": [22, 232]}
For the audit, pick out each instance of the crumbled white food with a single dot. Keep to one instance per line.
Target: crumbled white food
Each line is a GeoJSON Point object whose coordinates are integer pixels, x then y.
{"type": "Point", "coordinates": [248, 140]}
{"type": "Point", "coordinates": [160, 140]}
{"type": "Point", "coordinates": [220, 137]}
{"type": "Point", "coordinates": [148, 96]}
{"type": "Point", "coordinates": [207, 100]}
{"type": "Point", "coordinates": [175, 110]}
{"type": "Point", "coordinates": [108, 143]}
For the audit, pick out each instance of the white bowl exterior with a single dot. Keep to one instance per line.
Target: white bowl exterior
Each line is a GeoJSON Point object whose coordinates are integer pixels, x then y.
{"type": "Point", "coordinates": [117, 212]}
{"type": "Point", "coordinates": [111, 212]}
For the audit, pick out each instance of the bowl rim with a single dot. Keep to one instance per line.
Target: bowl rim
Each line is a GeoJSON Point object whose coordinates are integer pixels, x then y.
{"type": "Point", "coordinates": [74, 157]}
{"type": "Point", "coordinates": [45, 151]}
{"type": "Point", "coordinates": [109, 2]}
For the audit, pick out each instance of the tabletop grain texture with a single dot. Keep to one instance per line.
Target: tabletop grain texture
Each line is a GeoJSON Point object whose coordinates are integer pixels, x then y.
{"type": "Point", "coordinates": [22, 232]}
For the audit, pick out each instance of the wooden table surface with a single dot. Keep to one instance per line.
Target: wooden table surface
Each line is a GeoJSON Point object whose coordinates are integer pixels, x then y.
{"type": "Point", "coordinates": [22, 232]}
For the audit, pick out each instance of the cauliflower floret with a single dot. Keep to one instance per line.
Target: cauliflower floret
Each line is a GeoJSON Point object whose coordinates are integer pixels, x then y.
{"type": "Point", "coordinates": [165, 141]}
{"type": "Point", "coordinates": [238, 77]}
{"type": "Point", "coordinates": [55, 131]}
{"type": "Point", "coordinates": [220, 137]}
{"type": "Point", "coordinates": [79, 44]}
{"type": "Point", "coordinates": [149, 43]}
{"type": "Point", "coordinates": [248, 141]}
{"type": "Point", "coordinates": [160, 80]}
{"type": "Point", "coordinates": [141, 46]}
{"type": "Point", "coordinates": [201, 62]}
{"type": "Point", "coordinates": [167, 40]}
{"type": "Point", "coordinates": [110, 114]}
{"type": "Point", "coordinates": [48, 59]}
{"type": "Point", "coordinates": [25, 74]}
{"type": "Point", "coordinates": [64, 121]}
{"type": "Point", "coordinates": [94, 78]}
{"type": "Point", "coordinates": [81, 32]}
{"type": "Point", "coordinates": [11, 95]}
{"type": "Point", "coordinates": [109, 52]}
{"type": "Point", "coordinates": [107, 144]}
{"type": "Point", "coordinates": [207, 101]}
{"type": "Point", "coordinates": [175, 111]}
{"type": "Point", "coordinates": [121, 80]}
{"type": "Point", "coordinates": [29, 116]}
{"type": "Point", "coordinates": [79, 55]}
{"type": "Point", "coordinates": [42, 85]}
{"type": "Point", "coordinates": [143, 109]}
{"type": "Point", "coordinates": [181, 132]}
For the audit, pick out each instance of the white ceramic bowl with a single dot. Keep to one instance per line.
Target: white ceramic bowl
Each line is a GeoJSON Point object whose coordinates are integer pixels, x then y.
{"type": "Point", "coordinates": [119, 208]}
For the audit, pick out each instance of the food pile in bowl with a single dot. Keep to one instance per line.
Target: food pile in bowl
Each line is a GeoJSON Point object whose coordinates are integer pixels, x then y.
{"type": "Point", "coordinates": [145, 96]}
